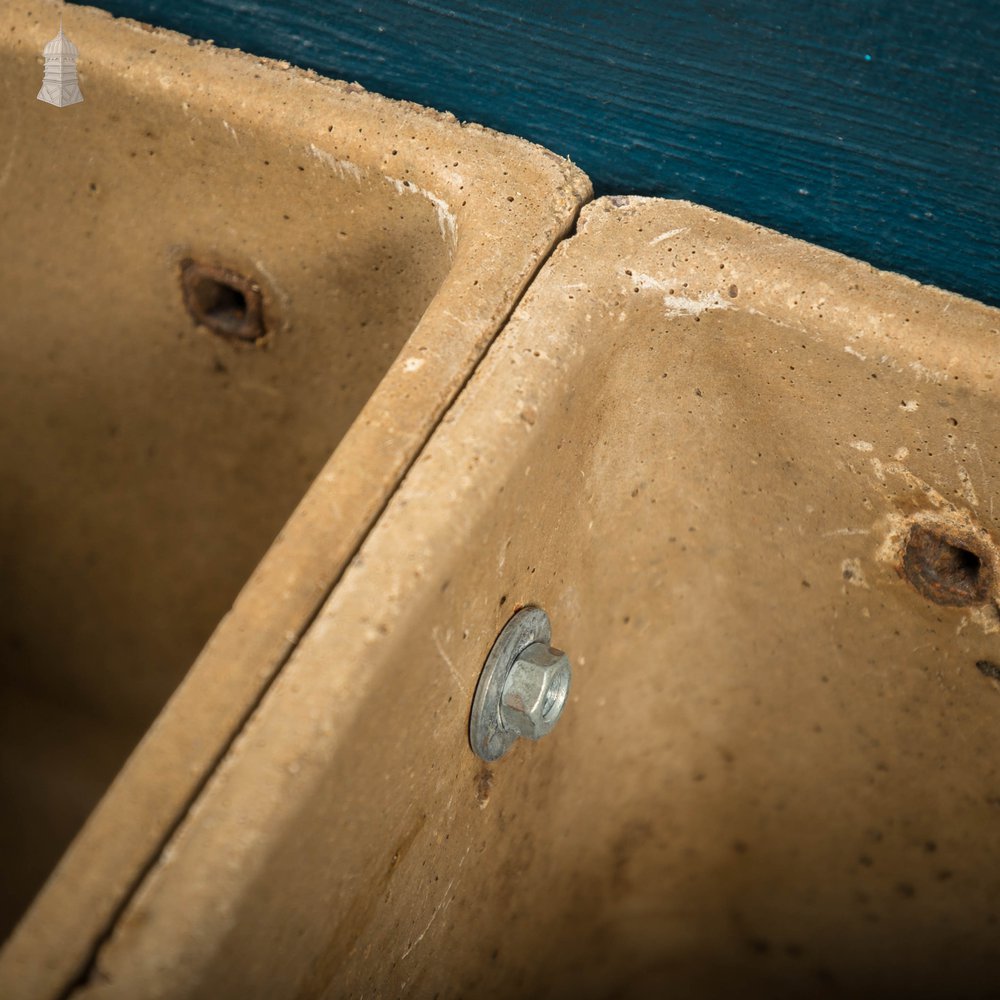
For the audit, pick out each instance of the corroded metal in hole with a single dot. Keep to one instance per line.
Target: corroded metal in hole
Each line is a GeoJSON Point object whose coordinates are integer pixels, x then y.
{"type": "Point", "coordinates": [946, 568]}
{"type": "Point", "coordinates": [988, 669]}
{"type": "Point", "coordinates": [225, 302]}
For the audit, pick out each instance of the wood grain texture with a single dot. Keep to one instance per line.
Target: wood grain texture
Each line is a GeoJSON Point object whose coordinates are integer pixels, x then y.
{"type": "Point", "coordinates": [867, 126]}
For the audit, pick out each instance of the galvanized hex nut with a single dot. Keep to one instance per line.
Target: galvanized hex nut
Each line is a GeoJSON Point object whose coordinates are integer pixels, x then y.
{"type": "Point", "coordinates": [535, 691]}
{"type": "Point", "coordinates": [493, 730]}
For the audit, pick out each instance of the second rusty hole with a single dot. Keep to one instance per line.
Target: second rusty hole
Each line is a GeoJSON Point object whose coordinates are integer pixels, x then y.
{"type": "Point", "coordinates": [945, 568]}
{"type": "Point", "coordinates": [225, 302]}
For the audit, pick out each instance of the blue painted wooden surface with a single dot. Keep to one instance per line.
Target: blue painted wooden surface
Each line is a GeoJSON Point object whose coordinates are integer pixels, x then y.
{"type": "Point", "coordinates": [868, 126]}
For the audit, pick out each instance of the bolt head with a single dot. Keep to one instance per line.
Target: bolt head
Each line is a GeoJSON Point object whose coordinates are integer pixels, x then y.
{"type": "Point", "coordinates": [535, 691]}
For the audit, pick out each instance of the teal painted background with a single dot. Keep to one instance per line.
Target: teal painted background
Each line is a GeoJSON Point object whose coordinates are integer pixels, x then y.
{"type": "Point", "coordinates": [868, 126]}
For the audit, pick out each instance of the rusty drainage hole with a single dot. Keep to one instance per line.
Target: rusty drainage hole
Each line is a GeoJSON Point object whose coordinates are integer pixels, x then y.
{"type": "Point", "coordinates": [946, 567]}
{"type": "Point", "coordinates": [223, 301]}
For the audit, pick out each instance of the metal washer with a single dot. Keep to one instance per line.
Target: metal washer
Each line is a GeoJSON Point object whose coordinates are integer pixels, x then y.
{"type": "Point", "coordinates": [489, 739]}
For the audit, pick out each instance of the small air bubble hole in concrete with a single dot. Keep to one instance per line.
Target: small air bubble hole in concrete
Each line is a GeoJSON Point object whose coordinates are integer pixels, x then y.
{"type": "Point", "coordinates": [945, 568]}
{"type": "Point", "coordinates": [223, 301]}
